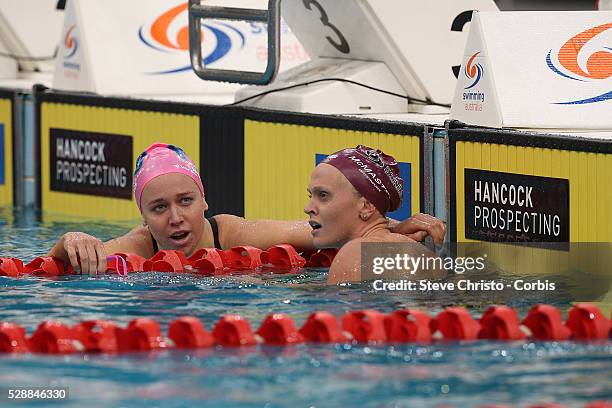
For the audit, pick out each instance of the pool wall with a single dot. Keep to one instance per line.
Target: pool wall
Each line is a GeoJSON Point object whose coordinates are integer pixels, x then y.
{"type": "Point", "coordinates": [282, 149]}
{"type": "Point", "coordinates": [561, 221]}
{"type": "Point", "coordinates": [210, 135]}
{"type": "Point", "coordinates": [254, 163]}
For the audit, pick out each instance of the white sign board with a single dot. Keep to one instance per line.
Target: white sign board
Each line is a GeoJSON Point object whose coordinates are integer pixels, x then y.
{"type": "Point", "coordinates": [420, 41]}
{"type": "Point", "coordinates": [8, 66]}
{"type": "Point", "coordinates": [30, 28]}
{"type": "Point", "coordinates": [141, 47]}
{"type": "Point", "coordinates": [542, 70]}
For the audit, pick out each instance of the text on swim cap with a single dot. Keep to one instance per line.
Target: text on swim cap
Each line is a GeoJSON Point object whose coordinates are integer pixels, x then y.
{"type": "Point", "coordinates": [367, 170]}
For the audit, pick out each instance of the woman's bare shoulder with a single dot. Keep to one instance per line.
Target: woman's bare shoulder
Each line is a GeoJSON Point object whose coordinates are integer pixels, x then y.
{"type": "Point", "coordinates": [137, 241]}
{"type": "Point", "coordinates": [387, 237]}
{"type": "Point", "coordinates": [228, 220]}
{"type": "Point", "coordinates": [347, 266]}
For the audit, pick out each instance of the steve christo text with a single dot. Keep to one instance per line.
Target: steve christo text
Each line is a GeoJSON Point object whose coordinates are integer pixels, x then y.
{"type": "Point", "coordinates": [464, 285]}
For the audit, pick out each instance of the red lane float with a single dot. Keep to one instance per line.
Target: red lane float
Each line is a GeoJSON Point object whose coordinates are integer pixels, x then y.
{"type": "Point", "coordinates": [52, 338]}
{"type": "Point", "coordinates": [13, 338]}
{"type": "Point", "coordinates": [500, 323]}
{"type": "Point", "coordinates": [455, 323]}
{"type": "Point", "coordinates": [586, 322]}
{"type": "Point", "coordinates": [12, 267]}
{"type": "Point", "coordinates": [402, 326]}
{"type": "Point", "coordinates": [97, 335]}
{"type": "Point", "coordinates": [365, 326]}
{"type": "Point", "coordinates": [188, 332]}
{"type": "Point", "coordinates": [283, 257]}
{"type": "Point", "coordinates": [278, 329]}
{"type": "Point", "coordinates": [546, 323]}
{"type": "Point", "coordinates": [322, 327]}
{"type": "Point", "coordinates": [234, 331]}
{"type": "Point", "coordinates": [207, 261]}
{"type": "Point", "coordinates": [242, 258]}
{"type": "Point", "coordinates": [134, 262]}
{"type": "Point", "coordinates": [142, 334]}
{"type": "Point", "coordinates": [166, 261]}
{"type": "Point", "coordinates": [599, 404]}
{"type": "Point", "coordinates": [46, 266]}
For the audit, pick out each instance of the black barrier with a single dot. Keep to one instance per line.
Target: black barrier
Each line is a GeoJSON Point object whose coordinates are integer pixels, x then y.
{"type": "Point", "coordinates": [222, 156]}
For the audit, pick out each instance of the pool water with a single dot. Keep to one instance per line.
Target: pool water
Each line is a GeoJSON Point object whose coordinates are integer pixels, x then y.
{"type": "Point", "coordinates": [415, 375]}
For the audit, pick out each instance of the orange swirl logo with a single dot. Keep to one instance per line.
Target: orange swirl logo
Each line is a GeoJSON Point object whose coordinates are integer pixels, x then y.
{"type": "Point", "coordinates": [71, 42]}
{"type": "Point", "coordinates": [473, 71]}
{"type": "Point", "coordinates": [161, 35]}
{"type": "Point", "coordinates": [160, 28]}
{"type": "Point", "coordinates": [598, 65]}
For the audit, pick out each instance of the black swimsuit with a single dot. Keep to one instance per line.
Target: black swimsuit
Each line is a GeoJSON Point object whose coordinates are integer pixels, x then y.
{"type": "Point", "coordinates": [215, 231]}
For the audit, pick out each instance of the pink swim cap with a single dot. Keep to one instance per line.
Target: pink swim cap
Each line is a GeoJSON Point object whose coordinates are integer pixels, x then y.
{"type": "Point", "coordinates": [159, 159]}
{"type": "Point", "coordinates": [374, 174]}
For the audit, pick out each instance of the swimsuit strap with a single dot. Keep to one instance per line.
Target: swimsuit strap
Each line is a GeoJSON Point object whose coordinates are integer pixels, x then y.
{"type": "Point", "coordinates": [155, 247]}
{"type": "Point", "coordinates": [215, 231]}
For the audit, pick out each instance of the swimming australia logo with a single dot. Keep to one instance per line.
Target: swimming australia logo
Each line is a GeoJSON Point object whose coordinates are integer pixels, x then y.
{"type": "Point", "coordinates": [71, 42]}
{"type": "Point", "coordinates": [473, 71]}
{"type": "Point", "coordinates": [473, 99]}
{"type": "Point", "coordinates": [71, 64]}
{"type": "Point", "coordinates": [585, 58]}
{"type": "Point", "coordinates": [169, 33]}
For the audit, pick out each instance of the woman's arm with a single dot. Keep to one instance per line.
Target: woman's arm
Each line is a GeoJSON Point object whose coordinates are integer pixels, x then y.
{"type": "Point", "coordinates": [419, 226]}
{"type": "Point", "coordinates": [237, 231]}
{"type": "Point", "coordinates": [88, 254]}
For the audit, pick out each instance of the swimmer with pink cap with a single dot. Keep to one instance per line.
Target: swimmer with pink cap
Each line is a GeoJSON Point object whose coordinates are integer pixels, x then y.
{"type": "Point", "coordinates": [159, 159]}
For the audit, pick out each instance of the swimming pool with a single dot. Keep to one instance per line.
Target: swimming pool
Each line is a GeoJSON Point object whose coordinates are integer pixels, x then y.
{"type": "Point", "coordinates": [415, 375]}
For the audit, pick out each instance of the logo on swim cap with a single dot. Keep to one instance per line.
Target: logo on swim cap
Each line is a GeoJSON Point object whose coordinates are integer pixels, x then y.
{"type": "Point", "coordinates": [177, 150]}
{"type": "Point", "coordinates": [374, 157]}
{"type": "Point", "coordinates": [379, 182]}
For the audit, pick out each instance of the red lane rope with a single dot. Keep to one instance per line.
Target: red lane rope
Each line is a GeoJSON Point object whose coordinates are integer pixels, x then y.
{"type": "Point", "coordinates": [543, 322]}
{"type": "Point", "coordinates": [206, 261]}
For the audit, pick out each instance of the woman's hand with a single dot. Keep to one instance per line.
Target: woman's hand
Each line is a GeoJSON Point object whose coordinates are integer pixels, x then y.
{"type": "Point", "coordinates": [85, 252]}
{"type": "Point", "coordinates": [419, 226]}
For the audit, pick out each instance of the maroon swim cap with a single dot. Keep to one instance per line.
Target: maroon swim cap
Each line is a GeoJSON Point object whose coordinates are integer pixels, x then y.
{"type": "Point", "coordinates": [374, 174]}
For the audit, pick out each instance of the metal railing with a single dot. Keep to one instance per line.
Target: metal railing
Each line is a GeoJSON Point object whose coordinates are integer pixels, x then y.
{"type": "Point", "coordinates": [271, 16]}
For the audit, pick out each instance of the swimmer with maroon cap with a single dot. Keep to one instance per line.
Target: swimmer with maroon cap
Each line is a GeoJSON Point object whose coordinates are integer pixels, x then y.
{"type": "Point", "coordinates": [350, 193]}
{"type": "Point", "coordinates": [171, 198]}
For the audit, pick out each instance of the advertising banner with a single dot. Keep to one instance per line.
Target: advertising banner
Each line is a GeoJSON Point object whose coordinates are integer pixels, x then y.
{"type": "Point", "coordinates": [543, 70]}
